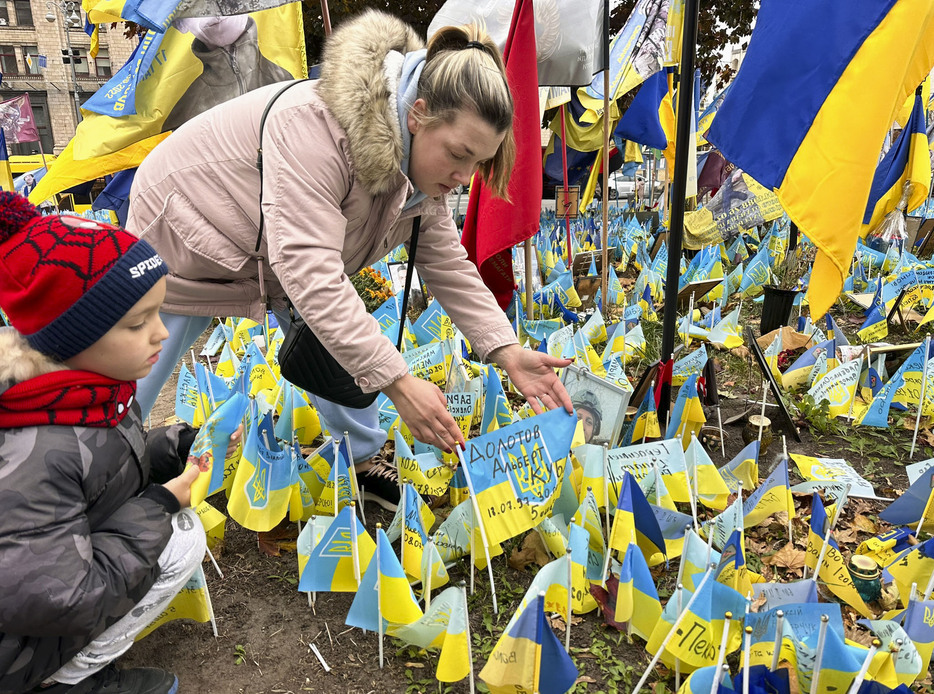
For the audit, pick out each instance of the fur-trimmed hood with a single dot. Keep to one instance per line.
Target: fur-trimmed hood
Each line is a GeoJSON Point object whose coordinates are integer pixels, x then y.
{"type": "Point", "coordinates": [19, 362]}
{"type": "Point", "coordinates": [354, 88]}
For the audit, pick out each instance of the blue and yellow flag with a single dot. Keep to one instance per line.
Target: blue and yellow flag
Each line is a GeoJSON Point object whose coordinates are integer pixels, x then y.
{"type": "Point", "coordinates": [583, 562]}
{"type": "Point", "coordinates": [262, 485]}
{"type": "Point", "coordinates": [634, 518]}
{"type": "Point", "coordinates": [193, 601]}
{"type": "Point", "coordinates": [712, 491]}
{"type": "Point", "coordinates": [913, 566]}
{"type": "Point", "coordinates": [496, 410]}
{"type": "Point", "coordinates": [833, 572]}
{"type": "Point", "coordinates": [796, 83]}
{"type": "Point", "coordinates": [907, 162]}
{"type": "Point", "coordinates": [772, 496]}
{"type": "Point", "coordinates": [701, 682]}
{"type": "Point", "coordinates": [337, 560]}
{"type": "Point", "coordinates": [384, 593]}
{"type": "Point", "coordinates": [642, 121]}
{"type": "Point", "coordinates": [697, 642]}
{"type": "Point", "coordinates": [687, 417]}
{"type": "Point", "coordinates": [459, 536]}
{"type": "Point", "coordinates": [444, 625]}
{"type": "Point", "coordinates": [426, 473]}
{"type": "Point", "coordinates": [588, 517]}
{"type": "Point", "coordinates": [919, 625]}
{"type": "Point", "coordinates": [337, 491]}
{"type": "Point", "coordinates": [529, 659]}
{"type": "Point", "coordinates": [210, 448]}
{"type": "Point", "coordinates": [165, 83]}
{"type": "Point", "coordinates": [743, 468]}
{"type": "Point", "coordinates": [515, 471]}
{"type": "Point", "coordinates": [644, 422]}
{"type": "Point", "coordinates": [297, 419]}
{"type": "Point", "coordinates": [636, 596]}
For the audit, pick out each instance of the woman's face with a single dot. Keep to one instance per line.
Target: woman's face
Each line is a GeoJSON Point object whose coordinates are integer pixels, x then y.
{"type": "Point", "coordinates": [447, 155]}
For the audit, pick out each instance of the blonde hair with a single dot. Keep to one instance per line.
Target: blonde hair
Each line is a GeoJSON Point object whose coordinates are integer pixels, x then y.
{"type": "Point", "coordinates": [464, 71]}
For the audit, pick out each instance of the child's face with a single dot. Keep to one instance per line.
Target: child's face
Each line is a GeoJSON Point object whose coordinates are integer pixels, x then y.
{"type": "Point", "coordinates": [128, 350]}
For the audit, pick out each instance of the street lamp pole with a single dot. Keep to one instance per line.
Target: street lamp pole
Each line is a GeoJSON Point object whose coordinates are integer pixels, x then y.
{"type": "Point", "coordinates": [70, 18]}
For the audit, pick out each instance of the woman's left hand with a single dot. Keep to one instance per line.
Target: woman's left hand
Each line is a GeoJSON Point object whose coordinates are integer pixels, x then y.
{"type": "Point", "coordinates": [533, 374]}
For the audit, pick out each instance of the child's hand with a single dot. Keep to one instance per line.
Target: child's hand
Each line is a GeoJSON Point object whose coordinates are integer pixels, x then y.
{"type": "Point", "coordinates": [234, 441]}
{"type": "Point", "coordinates": [180, 487]}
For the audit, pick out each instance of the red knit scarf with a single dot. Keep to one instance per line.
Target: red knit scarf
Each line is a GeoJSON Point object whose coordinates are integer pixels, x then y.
{"type": "Point", "coordinates": [66, 397]}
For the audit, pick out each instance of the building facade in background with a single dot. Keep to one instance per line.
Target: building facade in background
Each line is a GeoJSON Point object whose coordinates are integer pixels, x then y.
{"type": "Point", "coordinates": [25, 37]}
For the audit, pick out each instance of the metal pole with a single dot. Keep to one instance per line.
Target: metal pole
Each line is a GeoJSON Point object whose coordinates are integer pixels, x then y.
{"type": "Point", "coordinates": [326, 17]}
{"type": "Point", "coordinates": [605, 207]}
{"type": "Point", "coordinates": [685, 104]}
{"type": "Point", "coordinates": [71, 58]}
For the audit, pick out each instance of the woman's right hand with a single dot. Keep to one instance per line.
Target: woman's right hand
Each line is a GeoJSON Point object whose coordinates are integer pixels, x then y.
{"type": "Point", "coordinates": [180, 486]}
{"type": "Point", "coordinates": [423, 407]}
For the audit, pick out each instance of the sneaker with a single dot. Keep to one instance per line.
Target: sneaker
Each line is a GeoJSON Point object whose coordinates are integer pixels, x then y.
{"type": "Point", "coordinates": [380, 484]}
{"type": "Point", "coordinates": [110, 680]}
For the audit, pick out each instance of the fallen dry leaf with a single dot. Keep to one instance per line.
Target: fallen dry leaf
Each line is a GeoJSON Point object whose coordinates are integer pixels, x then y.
{"type": "Point", "coordinates": [787, 557]}
{"type": "Point", "coordinates": [846, 536]}
{"type": "Point", "coordinates": [585, 678]}
{"type": "Point", "coordinates": [557, 622]}
{"type": "Point", "coordinates": [758, 602]}
{"type": "Point", "coordinates": [282, 537]}
{"type": "Point", "coordinates": [741, 352]}
{"type": "Point", "coordinates": [865, 524]}
{"type": "Point", "coordinates": [418, 665]}
{"type": "Point", "coordinates": [532, 552]}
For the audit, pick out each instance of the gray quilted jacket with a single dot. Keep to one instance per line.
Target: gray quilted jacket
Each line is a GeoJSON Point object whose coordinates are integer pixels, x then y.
{"type": "Point", "coordinates": [81, 531]}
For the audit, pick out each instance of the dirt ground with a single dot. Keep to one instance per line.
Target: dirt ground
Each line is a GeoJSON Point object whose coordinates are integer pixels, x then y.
{"type": "Point", "coordinates": [265, 627]}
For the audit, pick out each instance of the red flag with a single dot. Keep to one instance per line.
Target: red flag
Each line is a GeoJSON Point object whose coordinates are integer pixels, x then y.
{"type": "Point", "coordinates": [493, 226]}
{"type": "Point", "coordinates": [19, 125]}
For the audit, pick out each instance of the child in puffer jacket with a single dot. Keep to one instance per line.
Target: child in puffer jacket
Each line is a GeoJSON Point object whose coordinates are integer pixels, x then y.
{"type": "Point", "coordinates": [95, 537]}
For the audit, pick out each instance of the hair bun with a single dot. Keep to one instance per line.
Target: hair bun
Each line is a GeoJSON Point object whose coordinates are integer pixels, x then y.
{"type": "Point", "coordinates": [15, 212]}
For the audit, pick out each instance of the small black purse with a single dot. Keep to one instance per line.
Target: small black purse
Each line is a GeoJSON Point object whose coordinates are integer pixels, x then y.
{"type": "Point", "coordinates": [303, 360]}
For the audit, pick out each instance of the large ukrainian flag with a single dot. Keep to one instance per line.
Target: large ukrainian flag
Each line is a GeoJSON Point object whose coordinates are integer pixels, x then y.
{"type": "Point", "coordinates": [819, 88]}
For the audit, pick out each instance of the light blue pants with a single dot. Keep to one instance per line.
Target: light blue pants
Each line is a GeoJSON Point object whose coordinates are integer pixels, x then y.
{"type": "Point", "coordinates": [362, 425]}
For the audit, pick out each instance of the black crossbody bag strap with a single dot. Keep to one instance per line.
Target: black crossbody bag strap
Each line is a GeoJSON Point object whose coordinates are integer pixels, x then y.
{"type": "Point", "coordinates": [413, 243]}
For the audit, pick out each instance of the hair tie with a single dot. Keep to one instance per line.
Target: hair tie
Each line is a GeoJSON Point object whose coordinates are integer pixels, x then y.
{"type": "Point", "coordinates": [476, 44]}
